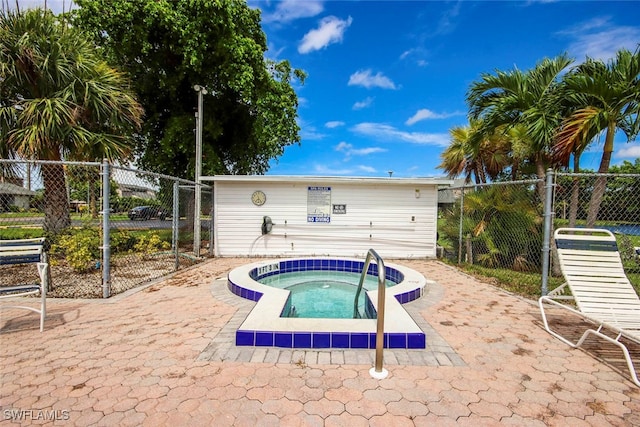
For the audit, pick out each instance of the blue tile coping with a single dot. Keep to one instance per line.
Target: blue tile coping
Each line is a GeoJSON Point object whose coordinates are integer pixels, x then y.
{"type": "Point", "coordinates": [264, 327]}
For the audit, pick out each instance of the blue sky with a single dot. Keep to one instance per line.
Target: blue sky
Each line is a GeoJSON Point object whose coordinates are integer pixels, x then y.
{"type": "Point", "coordinates": [387, 79]}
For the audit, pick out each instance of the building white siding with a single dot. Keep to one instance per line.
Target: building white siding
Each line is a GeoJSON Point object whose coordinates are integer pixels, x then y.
{"type": "Point", "coordinates": [395, 218]}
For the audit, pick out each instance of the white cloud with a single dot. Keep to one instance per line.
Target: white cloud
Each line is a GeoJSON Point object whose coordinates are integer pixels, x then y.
{"type": "Point", "coordinates": [417, 54]}
{"type": "Point", "coordinates": [290, 10]}
{"type": "Point", "coordinates": [447, 23]}
{"type": "Point", "coordinates": [334, 124]}
{"type": "Point", "coordinates": [273, 52]}
{"type": "Point", "coordinates": [363, 104]}
{"type": "Point", "coordinates": [308, 131]}
{"type": "Point", "coordinates": [406, 53]}
{"type": "Point", "coordinates": [337, 171]}
{"type": "Point", "coordinates": [331, 30]}
{"type": "Point", "coordinates": [343, 146]}
{"type": "Point", "coordinates": [598, 38]}
{"type": "Point", "coordinates": [585, 26]}
{"type": "Point", "coordinates": [630, 151]}
{"type": "Point", "coordinates": [326, 170]}
{"type": "Point", "coordinates": [425, 114]}
{"type": "Point", "coordinates": [534, 2]}
{"type": "Point", "coordinates": [368, 80]}
{"type": "Point", "coordinates": [387, 132]}
{"type": "Point", "coordinates": [349, 151]}
{"type": "Point", "coordinates": [367, 169]}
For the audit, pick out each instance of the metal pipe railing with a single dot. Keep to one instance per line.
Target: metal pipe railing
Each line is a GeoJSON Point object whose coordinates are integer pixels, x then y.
{"type": "Point", "coordinates": [377, 371]}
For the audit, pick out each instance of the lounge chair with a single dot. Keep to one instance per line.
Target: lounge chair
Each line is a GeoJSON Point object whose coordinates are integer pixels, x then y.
{"type": "Point", "coordinates": [26, 251]}
{"type": "Point", "coordinates": [599, 288]}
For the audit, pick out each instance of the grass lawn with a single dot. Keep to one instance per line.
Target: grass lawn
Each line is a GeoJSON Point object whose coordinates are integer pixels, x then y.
{"type": "Point", "coordinates": [529, 284]}
{"type": "Point", "coordinates": [520, 283]}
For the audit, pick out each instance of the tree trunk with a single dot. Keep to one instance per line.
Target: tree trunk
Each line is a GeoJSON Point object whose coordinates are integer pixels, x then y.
{"type": "Point", "coordinates": [601, 181]}
{"type": "Point", "coordinates": [575, 192]}
{"type": "Point", "coordinates": [514, 171]}
{"type": "Point", "coordinates": [56, 201]}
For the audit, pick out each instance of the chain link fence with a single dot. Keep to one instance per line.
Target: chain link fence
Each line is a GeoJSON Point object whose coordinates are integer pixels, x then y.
{"type": "Point", "coordinates": [496, 225]}
{"type": "Point", "coordinates": [150, 226]}
{"type": "Point", "coordinates": [500, 226]}
{"type": "Point", "coordinates": [609, 201]}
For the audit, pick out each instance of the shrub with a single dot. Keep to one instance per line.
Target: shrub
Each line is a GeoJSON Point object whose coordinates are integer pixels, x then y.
{"type": "Point", "coordinates": [81, 248]}
{"type": "Point", "coordinates": [122, 242]}
{"type": "Point", "coordinates": [503, 224]}
{"type": "Point", "coordinates": [150, 243]}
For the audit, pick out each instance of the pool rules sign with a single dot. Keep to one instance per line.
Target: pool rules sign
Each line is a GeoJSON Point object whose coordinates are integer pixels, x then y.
{"type": "Point", "coordinates": [319, 204]}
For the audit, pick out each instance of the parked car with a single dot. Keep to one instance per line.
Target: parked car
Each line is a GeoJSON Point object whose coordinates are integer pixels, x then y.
{"type": "Point", "coordinates": [147, 212]}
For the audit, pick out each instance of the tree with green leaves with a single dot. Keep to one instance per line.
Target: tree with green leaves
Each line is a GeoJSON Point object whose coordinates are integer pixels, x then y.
{"type": "Point", "coordinates": [59, 100]}
{"type": "Point", "coordinates": [480, 158]}
{"type": "Point", "coordinates": [527, 98]}
{"type": "Point", "coordinates": [605, 98]}
{"type": "Point", "coordinates": [249, 114]}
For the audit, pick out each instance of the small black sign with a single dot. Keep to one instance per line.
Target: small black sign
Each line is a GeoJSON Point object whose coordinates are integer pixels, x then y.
{"type": "Point", "coordinates": [339, 209]}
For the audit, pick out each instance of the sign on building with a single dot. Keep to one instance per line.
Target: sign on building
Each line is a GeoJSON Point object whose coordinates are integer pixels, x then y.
{"type": "Point", "coordinates": [339, 209]}
{"type": "Point", "coordinates": [319, 204]}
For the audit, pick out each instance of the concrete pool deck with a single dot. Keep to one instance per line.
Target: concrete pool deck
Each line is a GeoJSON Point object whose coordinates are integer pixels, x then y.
{"type": "Point", "coordinates": [163, 355]}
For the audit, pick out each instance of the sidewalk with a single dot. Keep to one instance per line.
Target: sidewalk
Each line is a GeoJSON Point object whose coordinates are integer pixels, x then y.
{"type": "Point", "coordinates": [164, 355]}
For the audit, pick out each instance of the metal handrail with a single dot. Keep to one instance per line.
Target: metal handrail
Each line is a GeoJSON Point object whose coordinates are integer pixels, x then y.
{"type": "Point", "coordinates": [382, 274]}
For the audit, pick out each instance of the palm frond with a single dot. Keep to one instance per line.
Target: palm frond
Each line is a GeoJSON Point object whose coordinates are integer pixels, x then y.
{"type": "Point", "coordinates": [576, 133]}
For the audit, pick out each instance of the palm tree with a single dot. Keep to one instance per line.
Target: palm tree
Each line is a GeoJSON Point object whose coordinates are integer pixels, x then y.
{"type": "Point", "coordinates": [59, 100]}
{"type": "Point", "coordinates": [607, 99]}
{"type": "Point", "coordinates": [527, 98]}
{"type": "Point", "coordinates": [482, 158]}
{"type": "Point", "coordinates": [456, 159]}
{"type": "Point", "coordinates": [520, 150]}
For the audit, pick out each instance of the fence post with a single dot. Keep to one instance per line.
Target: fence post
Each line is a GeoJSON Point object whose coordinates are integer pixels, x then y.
{"type": "Point", "coordinates": [460, 228]}
{"type": "Point", "coordinates": [547, 230]}
{"type": "Point", "coordinates": [211, 224]}
{"type": "Point", "coordinates": [106, 237]}
{"type": "Point", "coordinates": [175, 224]}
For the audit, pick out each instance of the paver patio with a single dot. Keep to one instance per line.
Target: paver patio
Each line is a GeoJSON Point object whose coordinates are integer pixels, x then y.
{"type": "Point", "coordinates": [163, 355]}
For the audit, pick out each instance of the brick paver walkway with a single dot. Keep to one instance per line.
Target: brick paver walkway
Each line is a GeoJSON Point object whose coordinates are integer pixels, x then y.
{"type": "Point", "coordinates": [164, 356]}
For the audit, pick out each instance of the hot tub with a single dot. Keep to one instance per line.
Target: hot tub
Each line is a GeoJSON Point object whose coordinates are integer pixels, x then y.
{"type": "Point", "coordinates": [268, 323]}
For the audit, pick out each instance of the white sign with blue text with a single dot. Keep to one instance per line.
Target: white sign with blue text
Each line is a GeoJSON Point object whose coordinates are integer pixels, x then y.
{"type": "Point", "coordinates": [319, 204]}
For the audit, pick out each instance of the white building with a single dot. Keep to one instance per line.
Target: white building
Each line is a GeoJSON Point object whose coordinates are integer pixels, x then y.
{"type": "Point", "coordinates": [14, 195]}
{"type": "Point", "coordinates": [131, 190]}
{"type": "Point", "coordinates": [334, 216]}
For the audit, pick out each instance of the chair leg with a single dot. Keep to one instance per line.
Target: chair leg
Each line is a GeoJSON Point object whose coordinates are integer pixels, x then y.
{"type": "Point", "coordinates": [43, 271]}
{"type": "Point", "coordinates": [598, 333]}
{"type": "Point", "coordinates": [616, 341]}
